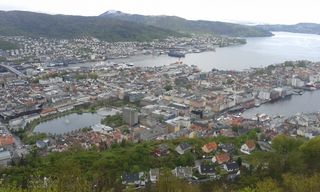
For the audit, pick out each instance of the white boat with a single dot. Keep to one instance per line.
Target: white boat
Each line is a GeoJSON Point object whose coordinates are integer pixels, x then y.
{"type": "Point", "coordinates": [130, 64]}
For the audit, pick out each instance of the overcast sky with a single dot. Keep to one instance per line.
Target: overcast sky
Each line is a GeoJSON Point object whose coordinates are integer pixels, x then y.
{"type": "Point", "coordinates": [262, 11]}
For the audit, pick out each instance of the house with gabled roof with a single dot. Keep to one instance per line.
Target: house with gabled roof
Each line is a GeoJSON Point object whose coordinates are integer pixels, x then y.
{"type": "Point", "coordinates": [227, 147]}
{"type": "Point", "coordinates": [5, 158]}
{"type": "Point", "coordinates": [221, 158]}
{"type": "Point", "coordinates": [233, 170]}
{"type": "Point", "coordinates": [248, 147]}
{"type": "Point", "coordinates": [182, 172]}
{"type": "Point", "coordinates": [210, 147]}
{"type": "Point", "coordinates": [232, 167]}
{"type": "Point", "coordinates": [136, 179]}
{"type": "Point", "coordinates": [207, 169]}
{"type": "Point", "coordinates": [182, 148]}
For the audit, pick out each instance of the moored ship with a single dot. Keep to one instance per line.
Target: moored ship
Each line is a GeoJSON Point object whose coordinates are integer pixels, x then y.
{"type": "Point", "coordinates": [176, 54]}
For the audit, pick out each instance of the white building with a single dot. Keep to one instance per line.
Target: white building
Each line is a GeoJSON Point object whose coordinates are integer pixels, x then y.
{"type": "Point", "coordinates": [314, 78]}
{"type": "Point", "coordinates": [264, 95]}
{"type": "Point", "coordinates": [296, 82]}
{"type": "Point", "coordinates": [5, 158]}
{"type": "Point", "coordinates": [51, 81]}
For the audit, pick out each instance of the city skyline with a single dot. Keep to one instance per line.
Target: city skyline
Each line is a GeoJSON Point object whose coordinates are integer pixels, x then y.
{"type": "Point", "coordinates": [244, 11]}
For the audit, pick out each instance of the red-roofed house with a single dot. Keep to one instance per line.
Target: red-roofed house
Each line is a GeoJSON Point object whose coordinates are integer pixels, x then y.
{"type": "Point", "coordinates": [6, 140]}
{"type": "Point", "coordinates": [209, 147]}
{"type": "Point", "coordinates": [221, 158]}
{"type": "Point", "coordinates": [248, 147]}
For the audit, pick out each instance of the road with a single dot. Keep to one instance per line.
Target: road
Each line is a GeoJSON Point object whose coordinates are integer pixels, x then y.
{"type": "Point", "coordinates": [13, 70]}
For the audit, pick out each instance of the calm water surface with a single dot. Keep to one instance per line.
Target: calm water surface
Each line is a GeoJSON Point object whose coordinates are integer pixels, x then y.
{"type": "Point", "coordinates": [309, 102]}
{"type": "Point", "coordinates": [258, 52]}
{"type": "Point", "coordinates": [68, 123]}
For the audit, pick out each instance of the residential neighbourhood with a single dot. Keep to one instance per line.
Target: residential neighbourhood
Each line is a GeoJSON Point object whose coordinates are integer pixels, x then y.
{"type": "Point", "coordinates": [62, 52]}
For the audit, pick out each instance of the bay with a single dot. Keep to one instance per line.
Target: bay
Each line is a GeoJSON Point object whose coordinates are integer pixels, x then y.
{"type": "Point", "coordinates": [258, 52]}
{"type": "Point", "coordinates": [306, 103]}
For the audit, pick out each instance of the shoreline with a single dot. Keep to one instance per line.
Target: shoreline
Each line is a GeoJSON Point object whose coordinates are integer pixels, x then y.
{"type": "Point", "coordinates": [274, 102]}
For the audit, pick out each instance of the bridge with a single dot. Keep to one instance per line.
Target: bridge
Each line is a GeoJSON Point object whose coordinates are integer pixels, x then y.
{"type": "Point", "coordinates": [13, 70]}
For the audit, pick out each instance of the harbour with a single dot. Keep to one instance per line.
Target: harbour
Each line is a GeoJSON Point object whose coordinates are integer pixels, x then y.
{"type": "Point", "coordinates": [257, 52]}
{"type": "Point", "coordinates": [305, 102]}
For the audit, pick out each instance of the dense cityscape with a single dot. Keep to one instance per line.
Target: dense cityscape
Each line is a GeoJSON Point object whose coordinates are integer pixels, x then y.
{"type": "Point", "coordinates": [119, 101]}
{"type": "Point", "coordinates": [148, 104]}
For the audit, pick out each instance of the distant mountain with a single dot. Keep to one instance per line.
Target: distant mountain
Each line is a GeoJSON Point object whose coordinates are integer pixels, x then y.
{"type": "Point", "coordinates": [190, 26]}
{"type": "Point", "coordinates": [64, 26]}
{"type": "Point", "coordinates": [311, 28]}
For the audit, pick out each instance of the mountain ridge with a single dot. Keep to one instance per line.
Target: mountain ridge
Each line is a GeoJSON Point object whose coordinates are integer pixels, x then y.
{"type": "Point", "coordinates": [15, 23]}
{"type": "Point", "coordinates": [116, 26]}
{"type": "Point", "coordinates": [310, 28]}
{"type": "Point", "coordinates": [182, 25]}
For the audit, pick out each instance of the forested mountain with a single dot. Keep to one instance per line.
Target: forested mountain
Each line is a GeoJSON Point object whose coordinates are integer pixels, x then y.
{"type": "Point", "coordinates": [190, 26]}
{"type": "Point", "coordinates": [311, 28]}
{"type": "Point", "coordinates": [15, 23]}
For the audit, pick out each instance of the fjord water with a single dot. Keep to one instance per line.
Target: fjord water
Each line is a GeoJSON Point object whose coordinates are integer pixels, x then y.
{"type": "Point", "coordinates": [258, 52]}
{"type": "Point", "coordinates": [306, 103]}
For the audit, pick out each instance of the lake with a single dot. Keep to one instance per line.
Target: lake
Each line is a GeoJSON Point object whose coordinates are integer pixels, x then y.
{"type": "Point", "coordinates": [258, 52]}
{"type": "Point", "coordinates": [74, 122]}
{"type": "Point", "coordinates": [68, 123]}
